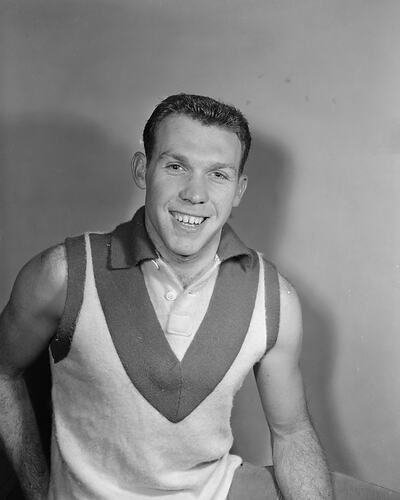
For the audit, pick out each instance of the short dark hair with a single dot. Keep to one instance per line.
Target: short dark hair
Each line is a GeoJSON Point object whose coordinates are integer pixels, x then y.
{"type": "Point", "coordinates": [207, 111]}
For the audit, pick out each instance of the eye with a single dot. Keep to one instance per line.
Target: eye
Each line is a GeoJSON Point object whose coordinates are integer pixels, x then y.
{"type": "Point", "coordinates": [174, 167]}
{"type": "Point", "coordinates": [219, 175]}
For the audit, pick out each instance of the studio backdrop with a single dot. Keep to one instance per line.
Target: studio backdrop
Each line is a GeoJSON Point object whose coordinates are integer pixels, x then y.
{"type": "Point", "coordinates": [319, 83]}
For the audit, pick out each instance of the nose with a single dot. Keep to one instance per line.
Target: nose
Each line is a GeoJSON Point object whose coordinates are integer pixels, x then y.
{"type": "Point", "coordinates": [195, 190]}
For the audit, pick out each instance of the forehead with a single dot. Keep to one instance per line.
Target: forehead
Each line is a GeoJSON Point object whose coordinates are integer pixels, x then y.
{"type": "Point", "coordinates": [181, 134]}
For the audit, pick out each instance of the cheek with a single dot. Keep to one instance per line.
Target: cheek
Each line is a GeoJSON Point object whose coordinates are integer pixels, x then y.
{"type": "Point", "coordinates": [156, 193]}
{"type": "Point", "coordinates": [224, 199]}
{"type": "Point", "coordinates": [164, 188]}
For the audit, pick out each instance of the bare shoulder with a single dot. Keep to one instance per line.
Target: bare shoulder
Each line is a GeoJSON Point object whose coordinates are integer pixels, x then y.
{"type": "Point", "coordinates": [290, 301]}
{"type": "Point", "coordinates": [41, 283]}
{"type": "Point", "coordinates": [32, 314]}
{"type": "Point", "coordinates": [290, 328]}
{"type": "Point", "coordinates": [278, 375]}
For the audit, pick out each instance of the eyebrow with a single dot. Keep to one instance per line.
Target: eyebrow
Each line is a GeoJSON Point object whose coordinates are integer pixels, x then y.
{"type": "Point", "coordinates": [174, 156]}
{"type": "Point", "coordinates": [183, 159]}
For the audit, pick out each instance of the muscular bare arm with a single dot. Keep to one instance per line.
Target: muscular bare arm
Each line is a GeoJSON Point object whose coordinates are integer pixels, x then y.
{"type": "Point", "coordinates": [299, 461]}
{"type": "Point", "coordinates": [27, 324]}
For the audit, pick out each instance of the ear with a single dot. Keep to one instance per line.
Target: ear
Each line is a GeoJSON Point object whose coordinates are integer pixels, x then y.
{"type": "Point", "coordinates": [138, 167]}
{"type": "Point", "coordinates": [240, 190]}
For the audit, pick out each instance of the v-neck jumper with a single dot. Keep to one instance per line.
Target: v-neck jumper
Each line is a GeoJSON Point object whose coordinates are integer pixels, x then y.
{"type": "Point", "coordinates": [131, 420]}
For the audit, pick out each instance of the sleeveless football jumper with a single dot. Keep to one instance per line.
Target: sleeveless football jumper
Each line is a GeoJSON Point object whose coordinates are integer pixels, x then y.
{"type": "Point", "coordinates": [131, 421]}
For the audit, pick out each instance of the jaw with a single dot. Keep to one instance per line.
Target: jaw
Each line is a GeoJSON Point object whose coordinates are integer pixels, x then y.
{"type": "Point", "coordinates": [180, 239]}
{"type": "Point", "coordinates": [187, 240]}
{"type": "Point", "coordinates": [184, 240]}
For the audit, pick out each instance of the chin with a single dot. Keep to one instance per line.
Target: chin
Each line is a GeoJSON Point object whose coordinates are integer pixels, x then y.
{"type": "Point", "coordinates": [186, 251]}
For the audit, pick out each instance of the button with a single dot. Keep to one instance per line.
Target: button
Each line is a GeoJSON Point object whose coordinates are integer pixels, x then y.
{"type": "Point", "coordinates": [170, 295]}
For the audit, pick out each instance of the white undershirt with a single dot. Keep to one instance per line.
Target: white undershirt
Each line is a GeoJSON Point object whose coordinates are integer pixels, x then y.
{"type": "Point", "coordinates": [179, 310]}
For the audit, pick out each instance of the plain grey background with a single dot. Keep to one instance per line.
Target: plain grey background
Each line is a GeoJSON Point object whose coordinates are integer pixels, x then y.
{"type": "Point", "coordinates": [319, 82]}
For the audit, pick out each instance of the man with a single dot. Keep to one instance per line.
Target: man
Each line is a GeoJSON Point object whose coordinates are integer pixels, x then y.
{"type": "Point", "coordinates": [153, 328]}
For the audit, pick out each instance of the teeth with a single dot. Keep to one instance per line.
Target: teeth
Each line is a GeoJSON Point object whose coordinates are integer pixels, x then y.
{"type": "Point", "coordinates": [188, 219]}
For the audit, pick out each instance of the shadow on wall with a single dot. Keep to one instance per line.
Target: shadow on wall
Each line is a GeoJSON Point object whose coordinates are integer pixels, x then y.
{"type": "Point", "coordinates": [261, 222]}
{"type": "Point", "coordinates": [261, 216]}
{"type": "Point", "coordinates": [317, 363]}
{"type": "Point", "coordinates": [60, 175]}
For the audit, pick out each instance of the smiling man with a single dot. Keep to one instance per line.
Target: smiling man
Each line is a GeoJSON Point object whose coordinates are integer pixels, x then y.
{"type": "Point", "coordinates": [152, 329]}
{"type": "Point", "coordinates": [192, 181]}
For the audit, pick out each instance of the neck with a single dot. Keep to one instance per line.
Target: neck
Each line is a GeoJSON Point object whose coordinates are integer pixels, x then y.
{"type": "Point", "coordinates": [188, 269]}
{"type": "Point", "coordinates": [188, 275]}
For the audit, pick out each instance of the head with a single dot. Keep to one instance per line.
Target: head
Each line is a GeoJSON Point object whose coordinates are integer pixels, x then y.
{"type": "Point", "coordinates": [205, 110]}
{"type": "Point", "coordinates": [192, 170]}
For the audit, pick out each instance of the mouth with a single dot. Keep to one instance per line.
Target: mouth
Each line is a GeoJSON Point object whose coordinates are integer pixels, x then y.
{"type": "Point", "coordinates": [188, 220]}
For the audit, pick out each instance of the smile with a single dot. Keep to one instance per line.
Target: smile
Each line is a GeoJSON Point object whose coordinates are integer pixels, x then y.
{"type": "Point", "coordinates": [188, 219]}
